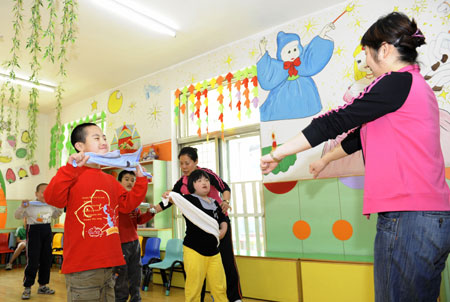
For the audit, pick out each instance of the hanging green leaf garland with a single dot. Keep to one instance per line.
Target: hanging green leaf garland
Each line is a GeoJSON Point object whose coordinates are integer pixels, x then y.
{"type": "Point", "coordinates": [68, 34]}
{"type": "Point", "coordinates": [50, 31]}
{"type": "Point", "coordinates": [16, 123]}
{"type": "Point", "coordinates": [34, 48]}
{"type": "Point", "coordinates": [12, 65]}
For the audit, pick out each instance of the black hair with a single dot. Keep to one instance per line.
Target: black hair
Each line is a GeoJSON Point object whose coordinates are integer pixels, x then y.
{"type": "Point", "coordinates": [79, 134]}
{"type": "Point", "coordinates": [189, 151]}
{"type": "Point", "coordinates": [193, 177]}
{"type": "Point", "coordinates": [398, 30]}
{"type": "Point", "coordinates": [123, 173]}
{"type": "Point", "coordinates": [40, 185]}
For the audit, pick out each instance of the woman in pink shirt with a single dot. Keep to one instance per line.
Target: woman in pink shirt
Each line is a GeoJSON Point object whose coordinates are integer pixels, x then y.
{"type": "Point", "coordinates": [396, 124]}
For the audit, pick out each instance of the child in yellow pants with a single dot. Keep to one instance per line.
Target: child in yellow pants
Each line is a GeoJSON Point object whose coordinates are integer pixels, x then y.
{"type": "Point", "coordinates": [201, 249]}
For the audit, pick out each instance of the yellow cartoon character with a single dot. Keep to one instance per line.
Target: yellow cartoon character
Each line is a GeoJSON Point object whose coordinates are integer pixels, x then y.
{"type": "Point", "coordinates": [352, 164]}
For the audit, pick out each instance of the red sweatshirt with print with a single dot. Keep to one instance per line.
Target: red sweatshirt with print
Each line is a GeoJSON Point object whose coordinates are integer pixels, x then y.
{"type": "Point", "coordinates": [93, 200]}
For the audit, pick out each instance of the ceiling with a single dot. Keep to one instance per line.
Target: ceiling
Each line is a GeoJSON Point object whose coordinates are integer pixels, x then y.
{"type": "Point", "coordinates": [110, 51]}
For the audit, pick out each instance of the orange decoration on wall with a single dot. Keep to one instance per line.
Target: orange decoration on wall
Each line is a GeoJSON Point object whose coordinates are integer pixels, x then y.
{"type": "Point", "coordinates": [301, 229]}
{"type": "Point", "coordinates": [342, 230]}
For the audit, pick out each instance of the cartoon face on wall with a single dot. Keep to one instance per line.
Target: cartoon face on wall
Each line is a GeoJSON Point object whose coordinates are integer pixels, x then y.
{"type": "Point", "coordinates": [443, 8]}
{"type": "Point", "coordinates": [290, 52]}
{"type": "Point", "coordinates": [361, 68]}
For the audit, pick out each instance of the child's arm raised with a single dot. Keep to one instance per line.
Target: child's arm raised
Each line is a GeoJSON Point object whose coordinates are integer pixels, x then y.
{"type": "Point", "coordinates": [130, 200]}
{"type": "Point", "coordinates": [57, 191]}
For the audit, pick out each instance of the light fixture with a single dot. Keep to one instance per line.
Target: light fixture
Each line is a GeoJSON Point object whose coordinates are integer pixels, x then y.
{"type": "Point", "coordinates": [139, 15]}
{"type": "Point", "coordinates": [44, 86]}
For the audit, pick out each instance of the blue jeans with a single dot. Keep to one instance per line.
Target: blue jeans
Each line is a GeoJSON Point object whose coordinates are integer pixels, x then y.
{"type": "Point", "coordinates": [410, 253]}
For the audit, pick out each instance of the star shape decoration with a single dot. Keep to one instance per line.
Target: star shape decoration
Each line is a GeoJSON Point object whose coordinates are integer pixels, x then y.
{"type": "Point", "coordinates": [132, 107]}
{"type": "Point", "coordinates": [229, 60]}
{"type": "Point", "coordinates": [155, 115]}
{"type": "Point", "coordinates": [94, 105]}
{"type": "Point", "coordinates": [443, 94]}
{"type": "Point", "coordinates": [339, 51]}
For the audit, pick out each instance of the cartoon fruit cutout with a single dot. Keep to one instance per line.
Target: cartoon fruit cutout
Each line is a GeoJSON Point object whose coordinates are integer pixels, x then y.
{"type": "Point", "coordinates": [11, 140]}
{"type": "Point", "coordinates": [34, 169]}
{"type": "Point", "coordinates": [25, 137]}
{"type": "Point", "coordinates": [5, 159]}
{"type": "Point", "coordinates": [21, 152]}
{"type": "Point", "coordinates": [114, 102]}
{"type": "Point", "coordinates": [10, 176]}
{"type": "Point", "coordinates": [22, 173]}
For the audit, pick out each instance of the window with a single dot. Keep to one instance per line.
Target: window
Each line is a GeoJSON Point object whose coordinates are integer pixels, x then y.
{"type": "Point", "coordinates": [235, 158]}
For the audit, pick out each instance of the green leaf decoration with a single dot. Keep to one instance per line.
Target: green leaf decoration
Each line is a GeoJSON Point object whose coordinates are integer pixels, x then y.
{"type": "Point", "coordinates": [284, 164]}
{"type": "Point", "coordinates": [205, 84]}
{"type": "Point", "coordinates": [238, 75]}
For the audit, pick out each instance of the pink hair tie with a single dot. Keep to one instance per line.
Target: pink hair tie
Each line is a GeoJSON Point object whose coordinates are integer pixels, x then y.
{"type": "Point", "coordinates": [417, 34]}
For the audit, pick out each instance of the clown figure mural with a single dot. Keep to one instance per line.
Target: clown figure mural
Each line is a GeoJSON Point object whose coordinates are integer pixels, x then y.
{"type": "Point", "coordinates": [293, 93]}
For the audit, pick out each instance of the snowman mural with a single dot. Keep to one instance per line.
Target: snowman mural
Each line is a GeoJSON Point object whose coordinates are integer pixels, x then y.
{"type": "Point", "coordinates": [293, 93]}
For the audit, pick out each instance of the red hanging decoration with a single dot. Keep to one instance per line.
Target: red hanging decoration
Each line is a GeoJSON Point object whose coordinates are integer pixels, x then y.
{"type": "Point", "coordinates": [229, 77]}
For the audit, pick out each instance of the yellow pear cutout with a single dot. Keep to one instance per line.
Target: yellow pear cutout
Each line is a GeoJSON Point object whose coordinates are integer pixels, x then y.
{"type": "Point", "coordinates": [114, 102]}
{"type": "Point", "coordinates": [25, 137]}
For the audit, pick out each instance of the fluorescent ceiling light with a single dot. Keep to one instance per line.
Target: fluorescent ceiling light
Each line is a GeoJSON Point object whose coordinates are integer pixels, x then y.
{"type": "Point", "coordinates": [24, 82]}
{"type": "Point", "coordinates": [138, 14]}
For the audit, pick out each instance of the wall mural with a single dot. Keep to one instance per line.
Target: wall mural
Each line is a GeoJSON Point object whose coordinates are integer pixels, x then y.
{"type": "Point", "coordinates": [126, 139]}
{"type": "Point", "coordinates": [342, 64]}
{"type": "Point", "coordinates": [115, 102]}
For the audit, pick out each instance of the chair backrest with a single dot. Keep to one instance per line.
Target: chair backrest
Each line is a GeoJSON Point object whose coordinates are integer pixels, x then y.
{"type": "Point", "coordinates": [174, 249]}
{"type": "Point", "coordinates": [151, 249]}
{"type": "Point", "coordinates": [12, 240]}
{"type": "Point", "coordinates": [57, 241]}
{"type": "Point", "coordinates": [4, 243]}
{"type": "Point", "coordinates": [140, 244]}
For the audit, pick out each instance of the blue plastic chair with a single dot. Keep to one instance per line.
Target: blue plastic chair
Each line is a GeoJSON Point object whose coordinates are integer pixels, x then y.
{"type": "Point", "coordinates": [173, 261]}
{"type": "Point", "coordinates": [151, 250]}
{"type": "Point", "coordinates": [151, 254]}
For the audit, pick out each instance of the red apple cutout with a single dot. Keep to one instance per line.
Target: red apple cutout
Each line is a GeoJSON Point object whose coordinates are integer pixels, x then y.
{"type": "Point", "coordinates": [34, 169]}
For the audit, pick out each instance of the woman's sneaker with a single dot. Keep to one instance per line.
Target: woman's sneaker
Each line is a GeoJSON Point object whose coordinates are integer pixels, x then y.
{"type": "Point", "coordinates": [45, 290]}
{"type": "Point", "coordinates": [26, 293]}
{"type": "Point", "coordinates": [8, 266]}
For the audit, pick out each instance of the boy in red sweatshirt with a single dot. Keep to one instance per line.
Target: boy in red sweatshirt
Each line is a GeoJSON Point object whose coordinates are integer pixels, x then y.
{"type": "Point", "coordinates": [128, 282]}
{"type": "Point", "coordinates": [93, 200]}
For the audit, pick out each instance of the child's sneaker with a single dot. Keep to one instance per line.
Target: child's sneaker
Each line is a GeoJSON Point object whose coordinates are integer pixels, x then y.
{"type": "Point", "coordinates": [45, 290]}
{"type": "Point", "coordinates": [8, 266]}
{"type": "Point", "coordinates": [26, 293]}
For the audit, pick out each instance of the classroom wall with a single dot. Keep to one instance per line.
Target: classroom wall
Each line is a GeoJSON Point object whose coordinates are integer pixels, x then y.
{"type": "Point", "coordinates": [303, 216]}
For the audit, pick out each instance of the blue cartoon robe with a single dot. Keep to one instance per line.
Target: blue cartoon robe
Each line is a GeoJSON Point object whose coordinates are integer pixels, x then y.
{"type": "Point", "coordinates": [295, 96]}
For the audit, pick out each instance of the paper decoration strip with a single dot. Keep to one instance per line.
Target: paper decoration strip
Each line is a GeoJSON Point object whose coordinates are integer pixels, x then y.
{"type": "Point", "coordinates": [192, 95]}
{"type": "Point", "coordinates": [176, 109]}
{"type": "Point", "coordinates": [229, 77]}
{"type": "Point", "coordinates": [205, 94]}
{"type": "Point", "coordinates": [238, 96]}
